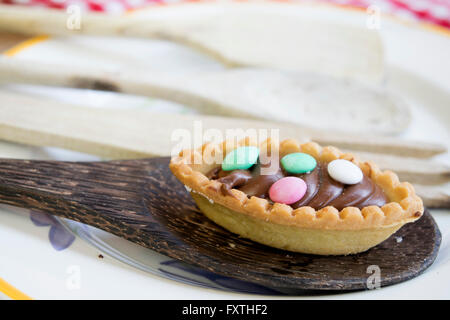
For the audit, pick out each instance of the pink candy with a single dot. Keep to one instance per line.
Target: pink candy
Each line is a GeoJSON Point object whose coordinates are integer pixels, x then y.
{"type": "Point", "coordinates": [287, 190]}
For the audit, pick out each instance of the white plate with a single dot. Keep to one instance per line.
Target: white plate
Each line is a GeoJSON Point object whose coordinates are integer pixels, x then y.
{"type": "Point", "coordinates": [416, 70]}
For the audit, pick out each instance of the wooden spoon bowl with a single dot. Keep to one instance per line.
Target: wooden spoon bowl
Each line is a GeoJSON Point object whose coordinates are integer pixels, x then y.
{"type": "Point", "coordinates": [141, 201]}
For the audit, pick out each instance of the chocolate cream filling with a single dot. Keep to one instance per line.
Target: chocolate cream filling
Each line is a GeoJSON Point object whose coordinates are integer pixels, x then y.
{"type": "Point", "coordinates": [322, 190]}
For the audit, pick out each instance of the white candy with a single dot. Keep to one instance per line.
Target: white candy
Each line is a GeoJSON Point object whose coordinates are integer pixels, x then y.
{"type": "Point", "coordinates": [345, 171]}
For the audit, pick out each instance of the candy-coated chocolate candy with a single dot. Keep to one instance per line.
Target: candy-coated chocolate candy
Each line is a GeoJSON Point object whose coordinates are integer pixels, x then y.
{"type": "Point", "coordinates": [287, 190]}
{"type": "Point", "coordinates": [298, 163]}
{"type": "Point", "coordinates": [240, 158]}
{"type": "Point", "coordinates": [345, 171]}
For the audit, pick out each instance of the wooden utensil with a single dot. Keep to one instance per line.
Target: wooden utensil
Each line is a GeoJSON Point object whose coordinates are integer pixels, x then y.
{"type": "Point", "coordinates": [128, 134]}
{"type": "Point", "coordinates": [426, 172]}
{"type": "Point", "coordinates": [300, 98]}
{"type": "Point", "coordinates": [267, 34]}
{"type": "Point", "coordinates": [118, 133]}
{"type": "Point", "coordinates": [141, 201]}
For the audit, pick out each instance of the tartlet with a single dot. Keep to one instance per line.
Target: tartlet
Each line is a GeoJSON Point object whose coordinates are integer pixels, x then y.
{"type": "Point", "coordinates": [321, 231]}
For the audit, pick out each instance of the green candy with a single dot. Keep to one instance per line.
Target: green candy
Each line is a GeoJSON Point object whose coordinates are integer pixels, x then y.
{"type": "Point", "coordinates": [240, 158]}
{"type": "Point", "coordinates": [298, 163]}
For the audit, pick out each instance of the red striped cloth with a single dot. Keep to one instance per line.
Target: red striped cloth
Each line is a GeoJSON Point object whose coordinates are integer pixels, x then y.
{"type": "Point", "coordinates": [432, 11]}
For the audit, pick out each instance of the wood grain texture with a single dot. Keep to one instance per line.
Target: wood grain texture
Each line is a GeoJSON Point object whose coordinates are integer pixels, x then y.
{"type": "Point", "coordinates": [294, 97]}
{"type": "Point", "coordinates": [141, 201]}
{"type": "Point", "coordinates": [134, 133]}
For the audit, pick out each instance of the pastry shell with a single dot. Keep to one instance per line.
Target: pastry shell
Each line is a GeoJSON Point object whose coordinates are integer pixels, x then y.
{"type": "Point", "coordinates": [325, 232]}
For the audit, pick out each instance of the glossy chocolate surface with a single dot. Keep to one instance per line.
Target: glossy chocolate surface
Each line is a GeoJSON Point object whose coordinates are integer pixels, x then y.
{"type": "Point", "coordinates": [322, 189]}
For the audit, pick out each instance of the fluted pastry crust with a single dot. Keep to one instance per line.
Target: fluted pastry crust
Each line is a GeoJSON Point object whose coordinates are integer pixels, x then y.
{"type": "Point", "coordinates": [404, 206]}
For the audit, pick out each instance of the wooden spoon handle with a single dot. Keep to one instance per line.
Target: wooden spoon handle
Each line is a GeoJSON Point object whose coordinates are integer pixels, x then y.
{"type": "Point", "coordinates": [125, 134]}
{"type": "Point", "coordinates": [156, 85]}
{"type": "Point", "coordinates": [82, 192]}
{"type": "Point", "coordinates": [39, 185]}
{"type": "Point", "coordinates": [55, 22]}
{"type": "Point", "coordinates": [236, 93]}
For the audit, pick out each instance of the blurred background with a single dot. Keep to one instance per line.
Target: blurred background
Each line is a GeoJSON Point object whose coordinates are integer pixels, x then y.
{"type": "Point", "coordinates": [99, 80]}
{"type": "Point", "coordinates": [432, 11]}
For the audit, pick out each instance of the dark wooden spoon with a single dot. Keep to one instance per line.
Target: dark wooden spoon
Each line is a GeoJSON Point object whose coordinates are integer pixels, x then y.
{"type": "Point", "coordinates": [141, 201]}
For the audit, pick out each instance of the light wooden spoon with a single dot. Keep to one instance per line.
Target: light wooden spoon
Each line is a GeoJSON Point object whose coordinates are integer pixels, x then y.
{"type": "Point", "coordinates": [149, 133]}
{"type": "Point", "coordinates": [128, 134]}
{"type": "Point", "coordinates": [267, 34]}
{"type": "Point", "coordinates": [302, 98]}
